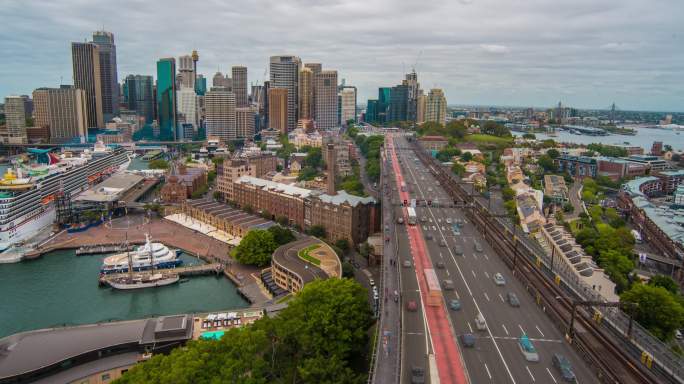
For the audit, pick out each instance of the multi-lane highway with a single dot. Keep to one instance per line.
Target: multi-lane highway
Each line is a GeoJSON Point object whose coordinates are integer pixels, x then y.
{"type": "Point", "coordinates": [453, 253]}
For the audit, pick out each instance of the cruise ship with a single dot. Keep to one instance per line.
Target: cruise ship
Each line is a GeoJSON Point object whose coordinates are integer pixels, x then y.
{"type": "Point", "coordinates": [28, 190]}
{"type": "Point", "coordinates": [142, 258]}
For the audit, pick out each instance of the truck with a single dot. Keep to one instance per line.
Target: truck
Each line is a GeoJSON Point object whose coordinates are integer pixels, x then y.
{"type": "Point", "coordinates": [411, 215]}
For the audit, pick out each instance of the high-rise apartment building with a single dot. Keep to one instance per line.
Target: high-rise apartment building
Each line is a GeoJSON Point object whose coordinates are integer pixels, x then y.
{"type": "Point", "coordinates": [87, 76]}
{"type": "Point", "coordinates": [109, 79]}
{"type": "Point", "coordinates": [347, 104]}
{"type": "Point", "coordinates": [435, 109]}
{"type": "Point", "coordinates": [421, 104]}
{"type": "Point", "coordinates": [284, 73]}
{"type": "Point", "coordinates": [278, 109]}
{"type": "Point", "coordinates": [139, 96]}
{"type": "Point", "coordinates": [167, 110]}
{"type": "Point", "coordinates": [222, 81]}
{"type": "Point", "coordinates": [371, 115]}
{"type": "Point", "coordinates": [245, 117]}
{"type": "Point", "coordinates": [306, 93]}
{"type": "Point", "coordinates": [63, 110]}
{"type": "Point", "coordinates": [413, 92]}
{"type": "Point", "coordinates": [15, 121]}
{"type": "Point", "coordinates": [326, 100]}
{"type": "Point", "coordinates": [201, 85]}
{"type": "Point", "coordinates": [240, 86]}
{"type": "Point", "coordinates": [315, 68]}
{"type": "Point", "coordinates": [186, 72]}
{"type": "Point", "coordinates": [384, 99]}
{"type": "Point", "coordinates": [187, 107]}
{"type": "Point", "coordinates": [220, 119]}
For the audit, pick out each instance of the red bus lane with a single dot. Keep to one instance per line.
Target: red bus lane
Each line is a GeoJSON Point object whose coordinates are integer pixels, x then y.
{"type": "Point", "coordinates": [447, 354]}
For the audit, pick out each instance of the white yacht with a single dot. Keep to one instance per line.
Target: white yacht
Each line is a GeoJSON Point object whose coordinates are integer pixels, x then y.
{"type": "Point", "coordinates": [142, 258]}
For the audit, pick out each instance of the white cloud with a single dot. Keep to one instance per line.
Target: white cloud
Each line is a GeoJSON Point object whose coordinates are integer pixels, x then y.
{"type": "Point", "coordinates": [540, 48]}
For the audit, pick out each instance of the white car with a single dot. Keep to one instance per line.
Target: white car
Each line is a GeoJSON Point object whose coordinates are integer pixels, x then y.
{"type": "Point", "coordinates": [499, 279]}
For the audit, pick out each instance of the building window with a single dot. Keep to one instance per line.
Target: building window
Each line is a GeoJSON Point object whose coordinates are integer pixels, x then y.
{"type": "Point", "coordinates": [105, 376]}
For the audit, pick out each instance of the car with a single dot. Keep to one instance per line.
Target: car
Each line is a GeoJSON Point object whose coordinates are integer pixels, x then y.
{"type": "Point", "coordinates": [678, 334]}
{"type": "Point", "coordinates": [442, 243]}
{"type": "Point", "coordinates": [563, 366]}
{"type": "Point", "coordinates": [411, 306]}
{"type": "Point", "coordinates": [429, 236]}
{"type": "Point", "coordinates": [423, 219]}
{"type": "Point", "coordinates": [480, 322]}
{"type": "Point", "coordinates": [513, 299]}
{"type": "Point", "coordinates": [429, 189]}
{"type": "Point", "coordinates": [448, 285]}
{"type": "Point", "coordinates": [376, 296]}
{"type": "Point", "coordinates": [455, 304]}
{"type": "Point", "coordinates": [478, 247]}
{"type": "Point", "coordinates": [458, 250]}
{"type": "Point", "coordinates": [417, 375]}
{"type": "Point", "coordinates": [440, 265]}
{"type": "Point", "coordinates": [448, 220]}
{"type": "Point", "coordinates": [400, 220]}
{"type": "Point", "coordinates": [468, 340]}
{"type": "Point", "coordinates": [499, 279]}
{"type": "Point", "coordinates": [407, 264]}
{"type": "Point", "coordinates": [371, 282]}
{"type": "Point", "coordinates": [387, 228]}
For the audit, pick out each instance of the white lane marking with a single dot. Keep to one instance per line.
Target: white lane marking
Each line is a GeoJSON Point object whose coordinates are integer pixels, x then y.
{"type": "Point", "coordinates": [475, 256]}
{"type": "Point", "coordinates": [502, 299]}
{"type": "Point", "coordinates": [469, 327]}
{"type": "Point", "coordinates": [485, 255]}
{"type": "Point", "coordinates": [505, 330]}
{"type": "Point", "coordinates": [489, 374]}
{"type": "Point", "coordinates": [516, 338]}
{"type": "Point", "coordinates": [477, 307]}
{"type": "Point", "coordinates": [540, 332]}
{"type": "Point", "coordinates": [486, 274]}
{"type": "Point", "coordinates": [447, 271]}
{"type": "Point", "coordinates": [457, 296]}
{"type": "Point", "coordinates": [550, 374]}
{"type": "Point", "coordinates": [530, 372]}
{"type": "Point", "coordinates": [473, 271]}
{"type": "Point", "coordinates": [414, 333]}
{"type": "Point", "coordinates": [486, 296]}
{"type": "Point", "coordinates": [521, 329]}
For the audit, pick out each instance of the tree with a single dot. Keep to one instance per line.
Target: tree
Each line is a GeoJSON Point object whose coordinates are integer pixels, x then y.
{"type": "Point", "coordinates": [553, 153]}
{"type": "Point", "coordinates": [321, 337]}
{"type": "Point", "coordinates": [343, 245]}
{"type": "Point", "coordinates": [657, 309]}
{"type": "Point", "coordinates": [281, 235]}
{"type": "Point", "coordinates": [667, 148]}
{"type": "Point", "coordinates": [347, 270]}
{"type": "Point", "coordinates": [458, 169]}
{"type": "Point", "coordinates": [317, 231]}
{"type": "Point", "coordinates": [529, 136]}
{"type": "Point", "coordinates": [255, 248]}
{"type": "Point", "coordinates": [466, 156]}
{"type": "Point", "coordinates": [217, 195]}
{"type": "Point", "coordinates": [159, 164]}
{"type": "Point", "coordinates": [314, 158]}
{"type": "Point", "coordinates": [567, 207]}
{"type": "Point", "coordinates": [546, 162]}
{"type": "Point", "coordinates": [664, 282]}
{"type": "Point", "coordinates": [307, 174]}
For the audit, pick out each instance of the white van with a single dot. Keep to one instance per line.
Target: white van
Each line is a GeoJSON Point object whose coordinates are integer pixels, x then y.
{"type": "Point", "coordinates": [480, 323]}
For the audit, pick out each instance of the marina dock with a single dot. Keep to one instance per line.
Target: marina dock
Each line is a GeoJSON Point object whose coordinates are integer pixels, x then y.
{"type": "Point", "coordinates": [104, 248]}
{"type": "Point", "coordinates": [193, 270]}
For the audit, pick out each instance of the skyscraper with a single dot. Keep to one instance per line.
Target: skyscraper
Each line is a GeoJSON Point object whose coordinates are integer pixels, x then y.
{"type": "Point", "coordinates": [240, 86]}
{"type": "Point", "coordinates": [245, 122]}
{"type": "Point", "coordinates": [187, 107]}
{"type": "Point", "coordinates": [63, 110]}
{"type": "Point", "coordinates": [421, 104]}
{"type": "Point", "coordinates": [109, 79]}
{"type": "Point", "coordinates": [306, 91]}
{"type": "Point", "coordinates": [326, 100]}
{"type": "Point", "coordinates": [139, 96]}
{"type": "Point", "coordinates": [413, 92]}
{"type": "Point", "coordinates": [87, 76]}
{"type": "Point", "coordinates": [278, 112]}
{"type": "Point", "coordinates": [371, 115]}
{"type": "Point", "coordinates": [201, 85]}
{"type": "Point", "coordinates": [222, 81]}
{"type": "Point", "coordinates": [384, 96]}
{"type": "Point", "coordinates": [166, 99]}
{"type": "Point", "coordinates": [284, 73]}
{"type": "Point", "coordinates": [186, 72]}
{"type": "Point", "coordinates": [219, 104]}
{"type": "Point", "coordinates": [398, 107]}
{"type": "Point", "coordinates": [435, 109]}
{"type": "Point", "coordinates": [15, 121]}
{"type": "Point", "coordinates": [315, 68]}
{"type": "Point", "coordinates": [347, 104]}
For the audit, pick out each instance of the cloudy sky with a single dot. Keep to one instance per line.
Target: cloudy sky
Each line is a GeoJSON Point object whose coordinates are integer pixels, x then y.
{"type": "Point", "coordinates": [587, 53]}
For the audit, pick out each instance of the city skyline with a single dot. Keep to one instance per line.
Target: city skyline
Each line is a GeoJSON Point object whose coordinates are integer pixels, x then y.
{"type": "Point", "coordinates": [533, 54]}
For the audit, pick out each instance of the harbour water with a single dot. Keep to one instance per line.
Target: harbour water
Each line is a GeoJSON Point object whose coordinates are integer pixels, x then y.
{"type": "Point", "coordinates": [644, 138]}
{"type": "Point", "coordinates": [61, 289]}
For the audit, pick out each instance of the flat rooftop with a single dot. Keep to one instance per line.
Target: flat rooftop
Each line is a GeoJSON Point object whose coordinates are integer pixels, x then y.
{"type": "Point", "coordinates": [112, 188]}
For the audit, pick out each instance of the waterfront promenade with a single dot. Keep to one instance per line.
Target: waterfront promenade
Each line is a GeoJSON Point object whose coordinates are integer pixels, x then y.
{"type": "Point", "coordinates": [171, 234]}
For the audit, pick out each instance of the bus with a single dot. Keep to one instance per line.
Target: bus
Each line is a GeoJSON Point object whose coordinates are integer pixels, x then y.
{"type": "Point", "coordinates": [403, 186]}
{"type": "Point", "coordinates": [434, 294]}
{"type": "Point", "coordinates": [411, 215]}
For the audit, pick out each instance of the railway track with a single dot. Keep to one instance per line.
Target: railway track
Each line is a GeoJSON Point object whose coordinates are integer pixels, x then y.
{"type": "Point", "coordinates": [604, 354]}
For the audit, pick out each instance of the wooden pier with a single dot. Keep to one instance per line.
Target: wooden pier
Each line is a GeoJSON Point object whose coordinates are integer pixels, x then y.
{"type": "Point", "coordinates": [193, 270]}
{"type": "Point", "coordinates": [104, 248]}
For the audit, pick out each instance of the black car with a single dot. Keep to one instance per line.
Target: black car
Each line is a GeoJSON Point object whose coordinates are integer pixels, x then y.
{"type": "Point", "coordinates": [563, 365]}
{"type": "Point", "coordinates": [468, 340]}
{"type": "Point", "coordinates": [417, 375]}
